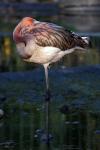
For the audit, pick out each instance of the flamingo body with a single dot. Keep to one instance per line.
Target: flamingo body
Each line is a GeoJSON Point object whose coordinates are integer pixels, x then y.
{"type": "Point", "coordinates": [44, 43]}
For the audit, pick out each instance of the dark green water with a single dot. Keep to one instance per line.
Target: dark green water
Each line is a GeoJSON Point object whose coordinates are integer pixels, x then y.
{"type": "Point", "coordinates": [71, 131]}
{"type": "Point", "coordinates": [74, 109]}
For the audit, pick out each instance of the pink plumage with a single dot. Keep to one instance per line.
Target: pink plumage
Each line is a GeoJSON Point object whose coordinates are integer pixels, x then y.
{"type": "Point", "coordinates": [44, 34]}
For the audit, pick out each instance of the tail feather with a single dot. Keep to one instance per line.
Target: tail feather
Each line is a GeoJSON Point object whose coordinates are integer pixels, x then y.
{"type": "Point", "coordinates": [83, 42]}
{"type": "Point", "coordinates": [86, 40]}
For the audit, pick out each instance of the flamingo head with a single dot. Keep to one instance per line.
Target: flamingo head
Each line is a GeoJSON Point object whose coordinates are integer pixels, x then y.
{"type": "Point", "coordinates": [17, 36]}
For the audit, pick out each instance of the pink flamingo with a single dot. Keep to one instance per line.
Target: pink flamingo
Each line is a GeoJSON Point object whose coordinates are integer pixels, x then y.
{"type": "Point", "coordinates": [45, 43]}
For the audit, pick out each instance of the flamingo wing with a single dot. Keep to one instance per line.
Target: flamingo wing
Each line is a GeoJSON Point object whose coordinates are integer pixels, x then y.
{"type": "Point", "coordinates": [49, 34]}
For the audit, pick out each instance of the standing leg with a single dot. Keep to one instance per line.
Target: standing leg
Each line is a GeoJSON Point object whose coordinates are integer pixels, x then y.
{"type": "Point", "coordinates": [47, 102]}
{"type": "Point", "coordinates": [47, 83]}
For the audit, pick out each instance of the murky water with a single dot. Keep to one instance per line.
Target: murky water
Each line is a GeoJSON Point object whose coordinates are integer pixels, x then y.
{"type": "Point", "coordinates": [73, 130]}
{"type": "Point", "coordinates": [74, 121]}
{"type": "Point", "coordinates": [24, 129]}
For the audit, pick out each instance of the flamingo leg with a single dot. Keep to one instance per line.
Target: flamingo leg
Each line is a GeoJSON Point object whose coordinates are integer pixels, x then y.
{"type": "Point", "coordinates": [48, 95]}
{"type": "Point", "coordinates": [46, 75]}
{"type": "Point", "coordinates": [47, 105]}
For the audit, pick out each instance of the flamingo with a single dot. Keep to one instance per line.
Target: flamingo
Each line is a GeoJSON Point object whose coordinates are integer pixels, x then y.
{"type": "Point", "coordinates": [45, 43]}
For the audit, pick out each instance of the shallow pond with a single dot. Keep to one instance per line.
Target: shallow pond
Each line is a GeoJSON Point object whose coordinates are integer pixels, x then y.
{"type": "Point", "coordinates": [74, 121]}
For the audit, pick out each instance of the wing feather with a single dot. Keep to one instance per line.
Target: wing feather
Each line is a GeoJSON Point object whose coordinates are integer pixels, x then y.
{"type": "Point", "coordinates": [49, 34]}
